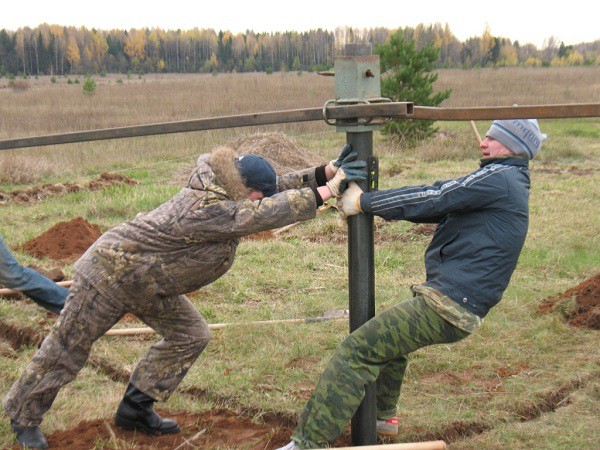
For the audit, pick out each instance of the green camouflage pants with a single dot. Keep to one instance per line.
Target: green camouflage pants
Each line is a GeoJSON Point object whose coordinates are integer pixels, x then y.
{"type": "Point", "coordinates": [86, 317]}
{"type": "Point", "coordinates": [377, 351]}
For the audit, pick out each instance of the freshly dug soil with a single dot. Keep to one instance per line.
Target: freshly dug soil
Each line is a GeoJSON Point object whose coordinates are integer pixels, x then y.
{"type": "Point", "coordinates": [64, 241]}
{"type": "Point", "coordinates": [38, 193]}
{"type": "Point", "coordinates": [584, 311]}
{"type": "Point", "coordinates": [222, 429]}
{"type": "Point", "coordinates": [216, 429]}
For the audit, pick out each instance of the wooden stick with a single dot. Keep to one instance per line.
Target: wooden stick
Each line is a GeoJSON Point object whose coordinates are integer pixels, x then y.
{"type": "Point", "coordinates": [429, 445]}
{"type": "Point", "coordinates": [189, 441]}
{"type": "Point", "coordinates": [217, 326]}
{"type": "Point", "coordinates": [113, 436]}
{"type": "Point", "coordinates": [67, 283]}
{"type": "Point", "coordinates": [477, 135]}
{"type": "Point", "coordinates": [278, 231]}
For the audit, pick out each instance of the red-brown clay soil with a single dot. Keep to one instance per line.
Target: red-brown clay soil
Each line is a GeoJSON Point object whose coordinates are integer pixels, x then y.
{"type": "Point", "coordinates": [65, 240]}
{"type": "Point", "coordinates": [586, 311]}
{"type": "Point", "coordinates": [222, 429]}
{"type": "Point", "coordinates": [216, 429]}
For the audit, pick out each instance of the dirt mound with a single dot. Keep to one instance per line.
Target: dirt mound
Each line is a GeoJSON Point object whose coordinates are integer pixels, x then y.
{"type": "Point", "coordinates": [213, 429]}
{"type": "Point", "coordinates": [65, 240]}
{"type": "Point", "coordinates": [31, 195]}
{"type": "Point", "coordinates": [279, 149]}
{"type": "Point", "coordinates": [580, 305]}
{"type": "Point", "coordinates": [284, 155]}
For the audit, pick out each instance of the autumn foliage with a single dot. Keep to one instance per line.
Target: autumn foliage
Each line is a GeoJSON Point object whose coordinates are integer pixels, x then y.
{"type": "Point", "coordinates": [58, 50]}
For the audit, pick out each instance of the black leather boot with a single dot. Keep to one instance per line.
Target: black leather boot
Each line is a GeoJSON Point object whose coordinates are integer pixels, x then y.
{"type": "Point", "coordinates": [135, 412]}
{"type": "Point", "coordinates": [29, 437]}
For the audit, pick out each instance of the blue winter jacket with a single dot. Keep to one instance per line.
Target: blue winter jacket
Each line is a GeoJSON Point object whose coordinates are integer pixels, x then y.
{"type": "Point", "coordinates": [483, 219]}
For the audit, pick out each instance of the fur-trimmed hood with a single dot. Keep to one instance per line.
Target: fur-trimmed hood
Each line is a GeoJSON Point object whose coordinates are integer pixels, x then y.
{"type": "Point", "coordinates": [217, 172]}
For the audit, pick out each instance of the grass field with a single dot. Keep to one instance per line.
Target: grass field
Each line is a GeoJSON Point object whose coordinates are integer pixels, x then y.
{"type": "Point", "coordinates": [524, 380]}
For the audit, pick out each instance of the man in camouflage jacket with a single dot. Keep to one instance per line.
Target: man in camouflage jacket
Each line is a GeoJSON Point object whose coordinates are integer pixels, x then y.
{"type": "Point", "coordinates": [482, 223]}
{"type": "Point", "coordinates": [146, 265]}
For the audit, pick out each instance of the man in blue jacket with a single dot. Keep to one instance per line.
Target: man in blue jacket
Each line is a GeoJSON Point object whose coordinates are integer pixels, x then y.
{"type": "Point", "coordinates": [482, 223]}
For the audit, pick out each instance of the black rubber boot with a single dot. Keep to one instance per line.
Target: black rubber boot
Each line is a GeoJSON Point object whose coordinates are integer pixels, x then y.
{"type": "Point", "coordinates": [135, 412]}
{"type": "Point", "coordinates": [29, 437]}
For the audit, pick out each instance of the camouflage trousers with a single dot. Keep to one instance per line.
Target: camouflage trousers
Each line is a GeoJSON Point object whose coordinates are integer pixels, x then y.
{"type": "Point", "coordinates": [86, 317]}
{"type": "Point", "coordinates": [375, 352]}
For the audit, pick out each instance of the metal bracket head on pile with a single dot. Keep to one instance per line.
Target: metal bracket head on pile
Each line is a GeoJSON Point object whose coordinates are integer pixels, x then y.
{"type": "Point", "coordinates": [357, 80]}
{"type": "Point", "coordinates": [359, 124]}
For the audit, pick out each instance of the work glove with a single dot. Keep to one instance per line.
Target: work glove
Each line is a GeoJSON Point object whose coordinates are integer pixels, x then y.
{"type": "Point", "coordinates": [345, 156]}
{"type": "Point", "coordinates": [349, 203]}
{"type": "Point", "coordinates": [350, 171]}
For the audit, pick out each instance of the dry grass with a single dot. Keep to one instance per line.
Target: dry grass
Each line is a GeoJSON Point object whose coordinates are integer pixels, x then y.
{"type": "Point", "coordinates": [48, 108]}
{"type": "Point", "coordinates": [25, 169]}
{"type": "Point", "coordinates": [21, 85]}
{"type": "Point", "coordinates": [521, 85]}
{"type": "Point", "coordinates": [52, 108]}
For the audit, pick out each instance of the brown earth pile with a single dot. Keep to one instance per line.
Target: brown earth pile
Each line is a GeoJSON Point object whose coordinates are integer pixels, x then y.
{"type": "Point", "coordinates": [65, 240]}
{"type": "Point", "coordinates": [580, 305]}
{"type": "Point", "coordinates": [34, 194]}
{"type": "Point", "coordinates": [279, 149]}
{"type": "Point", "coordinates": [282, 153]}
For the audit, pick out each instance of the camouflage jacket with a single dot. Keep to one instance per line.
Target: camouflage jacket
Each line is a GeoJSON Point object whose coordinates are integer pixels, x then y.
{"type": "Point", "coordinates": [191, 240]}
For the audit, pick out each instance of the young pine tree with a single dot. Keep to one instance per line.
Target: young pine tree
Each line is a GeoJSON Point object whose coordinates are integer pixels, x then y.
{"type": "Point", "coordinates": [407, 77]}
{"type": "Point", "coordinates": [89, 85]}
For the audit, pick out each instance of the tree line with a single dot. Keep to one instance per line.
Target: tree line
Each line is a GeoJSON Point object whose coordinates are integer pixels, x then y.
{"type": "Point", "coordinates": [59, 50]}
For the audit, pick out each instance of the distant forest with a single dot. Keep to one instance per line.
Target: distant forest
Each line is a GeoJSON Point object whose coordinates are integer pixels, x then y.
{"type": "Point", "coordinates": [59, 50]}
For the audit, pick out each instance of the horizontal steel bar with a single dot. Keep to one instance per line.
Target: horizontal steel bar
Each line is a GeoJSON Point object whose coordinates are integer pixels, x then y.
{"type": "Point", "coordinates": [564, 111]}
{"type": "Point", "coordinates": [393, 109]}
{"type": "Point", "coordinates": [397, 109]}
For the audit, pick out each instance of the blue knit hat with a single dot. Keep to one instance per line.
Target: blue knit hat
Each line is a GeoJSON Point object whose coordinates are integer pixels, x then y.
{"type": "Point", "coordinates": [521, 136]}
{"type": "Point", "coordinates": [258, 173]}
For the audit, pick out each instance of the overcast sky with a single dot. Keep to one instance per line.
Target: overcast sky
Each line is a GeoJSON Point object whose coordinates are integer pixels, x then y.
{"type": "Point", "coordinates": [572, 22]}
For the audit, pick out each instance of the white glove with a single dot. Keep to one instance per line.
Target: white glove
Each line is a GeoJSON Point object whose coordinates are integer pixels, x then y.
{"type": "Point", "coordinates": [349, 171]}
{"type": "Point", "coordinates": [349, 203]}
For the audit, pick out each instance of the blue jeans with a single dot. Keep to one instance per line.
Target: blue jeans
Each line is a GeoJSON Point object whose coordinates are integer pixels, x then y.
{"type": "Point", "coordinates": [34, 285]}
